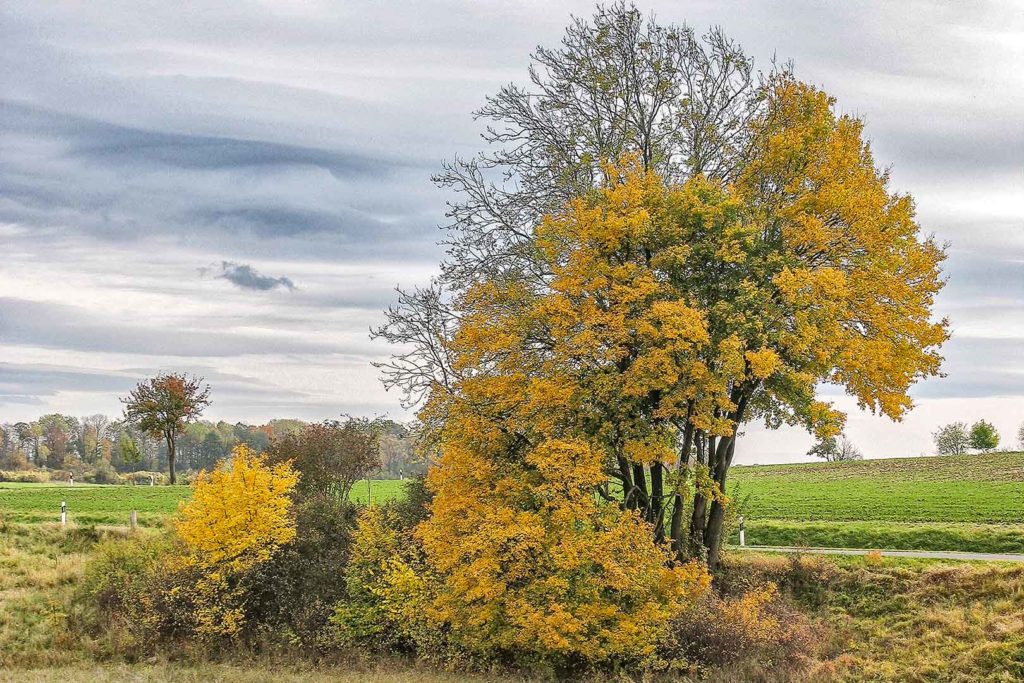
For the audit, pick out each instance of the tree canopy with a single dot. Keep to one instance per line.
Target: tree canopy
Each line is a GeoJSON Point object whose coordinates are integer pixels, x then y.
{"type": "Point", "coordinates": [162, 406]}
{"type": "Point", "coordinates": [683, 245]}
{"type": "Point", "coordinates": [984, 436]}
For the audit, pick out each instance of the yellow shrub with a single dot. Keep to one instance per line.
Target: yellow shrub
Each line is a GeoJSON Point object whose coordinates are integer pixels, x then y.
{"type": "Point", "coordinates": [239, 516]}
{"type": "Point", "coordinates": [528, 560]}
{"type": "Point", "coordinates": [387, 601]}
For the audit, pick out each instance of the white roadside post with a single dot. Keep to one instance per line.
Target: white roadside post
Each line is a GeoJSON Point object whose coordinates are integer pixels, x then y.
{"type": "Point", "coordinates": [743, 536]}
{"type": "Point", "coordinates": [134, 520]}
{"type": "Point", "coordinates": [63, 514]}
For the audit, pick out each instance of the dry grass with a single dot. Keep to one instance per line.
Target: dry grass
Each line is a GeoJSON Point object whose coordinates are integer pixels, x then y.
{"type": "Point", "coordinates": [39, 568]}
{"type": "Point", "coordinates": [880, 619]}
{"type": "Point", "coordinates": [897, 620]}
{"type": "Point", "coordinates": [167, 673]}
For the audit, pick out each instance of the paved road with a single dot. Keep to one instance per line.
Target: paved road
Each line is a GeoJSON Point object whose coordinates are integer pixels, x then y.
{"type": "Point", "coordinates": [924, 554]}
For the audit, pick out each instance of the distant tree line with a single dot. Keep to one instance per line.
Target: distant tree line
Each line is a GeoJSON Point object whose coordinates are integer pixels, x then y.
{"type": "Point", "coordinates": [66, 442]}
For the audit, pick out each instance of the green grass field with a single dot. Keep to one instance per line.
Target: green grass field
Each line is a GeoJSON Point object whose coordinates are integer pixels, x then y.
{"type": "Point", "coordinates": [969, 488]}
{"type": "Point", "coordinates": [111, 505]}
{"type": "Point", "coordinates": [970, 502]}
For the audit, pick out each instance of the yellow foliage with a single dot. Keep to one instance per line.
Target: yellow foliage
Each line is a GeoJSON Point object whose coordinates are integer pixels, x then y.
{"type": "Point", "coordinates": [763, 362]}
{"type": "Point", "coordinates": [239, 514]}
{"type": "Point", "coordinates": [384, 593]}
{"type": "Point", "coordinates": [748, 613]}
{"type": "Point", "coordinates": [238, 517]}
{"type": "Point", "coordinates": [663, 310]}
{"type": "Point", "coordinates": [530, 560]}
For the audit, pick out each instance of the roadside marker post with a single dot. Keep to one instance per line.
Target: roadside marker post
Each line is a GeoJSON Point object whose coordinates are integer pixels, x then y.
{"type": "Point", "coordinates": [743, 533]}
{"type": "Point", "coordinates": [63, 514]}
{"type": "Point", "coordinates": [134, 520]}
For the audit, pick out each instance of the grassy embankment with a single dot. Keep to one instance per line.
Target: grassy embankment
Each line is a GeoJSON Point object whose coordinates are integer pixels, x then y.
{"type": "Point", "coordinates": [886, 619]}
{"type": "Point", "coordinates": [40, 566]}
{"type": "Point", "coordinates": [877, 620]}
{"type": "Point", "coordinates": [970, 502]}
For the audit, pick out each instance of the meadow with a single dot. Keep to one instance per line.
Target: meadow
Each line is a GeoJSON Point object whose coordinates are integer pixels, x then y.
{"type": "Point", "coordinates": [967, 503]}
{"type": "Point", "coordinates": [111, 505]}
{"type": "Point", "coordinates": [882, 618]}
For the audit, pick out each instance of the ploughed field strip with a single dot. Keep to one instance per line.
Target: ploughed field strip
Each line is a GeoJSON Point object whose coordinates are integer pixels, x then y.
{"type": "Point", "coordinates": [972, 503]}
{"type": "Point", "coordinates": [911, 554]}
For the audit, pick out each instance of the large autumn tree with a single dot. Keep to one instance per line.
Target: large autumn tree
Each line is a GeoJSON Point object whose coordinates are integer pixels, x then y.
{"type": "Point", "coordinates": [744, 249]}
{"type": "Point", "coordinates": [161, 407]}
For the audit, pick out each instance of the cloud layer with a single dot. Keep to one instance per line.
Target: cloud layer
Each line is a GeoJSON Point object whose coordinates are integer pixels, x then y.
{"type": "Point", "coordinates": [291, 144]}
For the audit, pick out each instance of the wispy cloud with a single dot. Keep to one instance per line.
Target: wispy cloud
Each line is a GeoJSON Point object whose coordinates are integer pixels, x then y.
{"type": "Point", "coordinates": [295, 144]}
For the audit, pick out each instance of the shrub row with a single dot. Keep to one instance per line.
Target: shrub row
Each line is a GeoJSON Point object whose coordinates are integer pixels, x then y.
{"type": "Point", "coordinates": [99, 474]}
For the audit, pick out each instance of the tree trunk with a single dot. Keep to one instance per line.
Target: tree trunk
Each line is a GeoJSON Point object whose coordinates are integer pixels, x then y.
{"type": "Point", "coordinates": [170, 455]}
{"type": "Point", "coordinates": [700, 501]}
{"type": "Point", "coordinates": [657, 500]}
{"type": "Point", "coordinates": [628, 495]}
{"type": "Point", "coordinates": [676, 530]}
{"type": "Point", "coordinates": [723, 460]}
{"type": "Point", "coordinates": [640, 485]}
{"type": "Point", "coordinates": [713, 533]}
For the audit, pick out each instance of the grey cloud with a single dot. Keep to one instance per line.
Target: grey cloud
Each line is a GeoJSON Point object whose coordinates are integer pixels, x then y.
{"type": "Point", "coordinates": [29, 385]}
{"type": "Point", "coordinates": [245, 276]}
{"type": "Point", "coordinates": [100, 142]}
{"type": "Point", "coordinates": [280, 221]}
{"type": "Point", "coordinates": [112, 182]}
{"type": "Point", "coordinates": [977, 367]}
{"type": "Point", "coordinates": [48, 380]}
{"type": "Point", "coordinates": [60, 326]}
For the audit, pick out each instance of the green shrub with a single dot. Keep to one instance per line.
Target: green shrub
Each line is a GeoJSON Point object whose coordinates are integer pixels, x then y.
{"type": "Point", "coordinates": [294, 594]}
{"type": "Point", "coordinates": [143, 478]}
{"type": "Point", "coordinates": [104, 474]}
{"type": "Point", "coordinates": [123, 592]}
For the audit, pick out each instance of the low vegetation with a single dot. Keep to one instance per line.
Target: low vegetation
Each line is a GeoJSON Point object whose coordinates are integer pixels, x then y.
{"type": "Point", "coordinates": [869, 619]}
{"type": "Point", "coordinates": [902, 620]}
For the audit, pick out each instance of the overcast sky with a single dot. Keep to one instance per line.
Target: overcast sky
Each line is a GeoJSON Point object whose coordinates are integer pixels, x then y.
{"type": "Point", "coordinates": [234, 188]}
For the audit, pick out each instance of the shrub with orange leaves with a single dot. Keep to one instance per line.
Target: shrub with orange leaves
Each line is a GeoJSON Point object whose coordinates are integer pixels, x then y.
{"type": "Point", "coordinates": [756, 625]}
{"type": "Point", "coordinates": [519, 559]}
